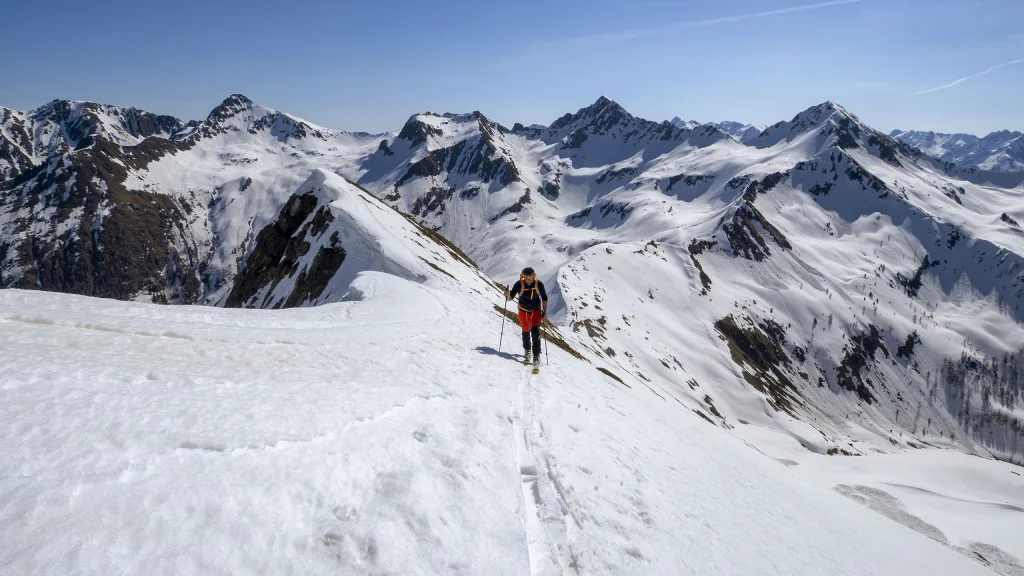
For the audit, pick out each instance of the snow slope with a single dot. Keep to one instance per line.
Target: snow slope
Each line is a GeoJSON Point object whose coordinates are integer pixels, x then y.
{"type": "Point", "coordinates": [963, 502]}
{"type": "Point", "coordinates": [376, 436]}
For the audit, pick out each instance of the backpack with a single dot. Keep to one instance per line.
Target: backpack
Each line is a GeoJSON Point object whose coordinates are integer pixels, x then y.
{"type": "Point", "coordinates": [524, 289]}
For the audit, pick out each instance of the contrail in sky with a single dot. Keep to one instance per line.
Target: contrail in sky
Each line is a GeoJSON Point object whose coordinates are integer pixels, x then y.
{"type": "Point", "coordinates": [642, 32]}
{"type": "Point", "coordinates": [966, 78]}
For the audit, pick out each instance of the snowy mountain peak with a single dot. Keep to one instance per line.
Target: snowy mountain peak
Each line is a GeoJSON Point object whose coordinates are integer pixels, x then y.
{"type": "Point", "coordinates": [1001, 151]}
{"type": "Point", "coordinates": [238, 114]}
{"type": "Point", "coordinates": [420, 127]}
{"type": "Point", "coordinates": [684, 124]}
{"type": "Point", "coordinates": [821, 114]}
{"type": "Point", "coordinates": [598, 117]}
{"type": "Point", "coordinates": [231, 106]}
{"type": "Point", "coordinates": [738, 130]}
{"type": "Point", "coordinates": [437, 131]}
{"type": "Point", "coordinates": [605, 103]}
{"type": "Point", "coordinates": [829, 125]}
{"type": "Point", "coordinates": [63, 126]}
{"type": "Point", "coordinates": [237, 111]}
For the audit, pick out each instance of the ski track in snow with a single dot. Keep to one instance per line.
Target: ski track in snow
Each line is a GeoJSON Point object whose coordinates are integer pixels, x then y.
{"type": "Point", "coordinates": [547, 518]}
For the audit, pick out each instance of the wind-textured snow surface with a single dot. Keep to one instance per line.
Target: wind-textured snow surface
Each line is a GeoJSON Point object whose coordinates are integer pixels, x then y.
{"type": "Point", "coordinates": [383, 435]}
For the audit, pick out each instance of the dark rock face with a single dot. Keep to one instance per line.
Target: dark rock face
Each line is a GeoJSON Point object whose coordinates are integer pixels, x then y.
{"type": "Point", "coordinates": [912, 284]}
{"type": "Point", "coordinates": [858, 356]}
{"type": "Point", "coordinates": [276, 253]}
{"type": "Point", "coordinates": [906, 350]}
{"type": "Point", "coordinates": [433, 202]}
{"type": "Point", "coordinates": [689, 180]}
{"type": "Point", "coordinates": [619, 210]}
{"type": "Point", "coordinates": [79, 230]}
{"type": "Point", "coordinates": [13, 162]}
{"type": "Point", "coordinates": [231, 106]}
{"type": "Point", "coordinates": [551, 189]}
{"type": "Point", "coordinates": [520, 204]}
{"type": "Point", "coordinates": [254, 119]}
{"type": "Point", "coordinates": [759, 348]}
{"type": "Point", "coordinates": [313, 280]}
{"type": "Point", "coordinates": [416, 132]}
{"type": "Point", "coordinates": [746, 231]}
{"type": "Point", "coordinates": [838, 128]}
{"type": "Point", "coordinates": [696, 248]}
{"type": "Point", "coordinates": [614, 175]}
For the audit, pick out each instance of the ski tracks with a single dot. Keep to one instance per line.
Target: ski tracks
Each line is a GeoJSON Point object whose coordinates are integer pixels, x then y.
{"type": "Point", "coordinates": [549, 523]}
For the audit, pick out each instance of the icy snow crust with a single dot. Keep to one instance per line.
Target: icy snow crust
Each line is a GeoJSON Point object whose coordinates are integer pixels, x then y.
{"type": "Point", "coordinates": [374, 436]}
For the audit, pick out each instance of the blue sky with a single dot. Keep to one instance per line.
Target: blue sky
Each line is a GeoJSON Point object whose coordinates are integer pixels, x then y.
{"type": "Point", "coordinates": [369, 65]}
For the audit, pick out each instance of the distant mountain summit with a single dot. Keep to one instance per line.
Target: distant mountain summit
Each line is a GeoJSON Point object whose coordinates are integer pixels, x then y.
{"type": "Point", "coordinates": [686, 124]}
{"type": "Point", "coordinates": [1001, 151]}
{"type": "Point", "coordinates": [739, 131]}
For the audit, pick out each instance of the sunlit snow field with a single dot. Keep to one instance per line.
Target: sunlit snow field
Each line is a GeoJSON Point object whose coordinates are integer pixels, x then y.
{"type": "Point", "coordinates": [387, 435]}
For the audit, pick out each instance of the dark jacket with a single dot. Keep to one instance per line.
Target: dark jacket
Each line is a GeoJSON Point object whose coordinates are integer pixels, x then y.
{"type": "Point", "coordinates": [532, 296]}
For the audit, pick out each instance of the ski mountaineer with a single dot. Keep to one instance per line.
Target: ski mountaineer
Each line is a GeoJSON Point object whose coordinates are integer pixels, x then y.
{"type": "Point", "coordinates": [533, 307]}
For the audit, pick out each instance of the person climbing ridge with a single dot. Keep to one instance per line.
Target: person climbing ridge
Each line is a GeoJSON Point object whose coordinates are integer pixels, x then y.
{"type": "Point", "coordinates": [533, 307]}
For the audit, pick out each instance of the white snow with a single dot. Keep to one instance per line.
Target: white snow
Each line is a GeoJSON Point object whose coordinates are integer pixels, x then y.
{"type": "Point", "coordinates": [999, 151]}
{"type": "Point", "coordinates": [381, 436]}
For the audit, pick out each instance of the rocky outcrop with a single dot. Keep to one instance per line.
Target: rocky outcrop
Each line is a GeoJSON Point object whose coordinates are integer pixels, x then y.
{"type": "Point", "coordinates": [70, 225]}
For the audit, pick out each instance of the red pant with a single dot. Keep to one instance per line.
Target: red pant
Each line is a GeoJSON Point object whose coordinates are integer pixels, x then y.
{"type": "Point", "coordinates": [529, 320]}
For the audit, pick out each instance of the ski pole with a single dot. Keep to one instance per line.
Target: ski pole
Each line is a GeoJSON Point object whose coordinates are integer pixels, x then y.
{"type": "Point", "coordinates": [546, 353]}
{"type": "Point", "coordinates": [503, 307]}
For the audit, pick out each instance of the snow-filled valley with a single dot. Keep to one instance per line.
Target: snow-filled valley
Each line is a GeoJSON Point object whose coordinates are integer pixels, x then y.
{"type": "Point", "coordinates": [795, 349]}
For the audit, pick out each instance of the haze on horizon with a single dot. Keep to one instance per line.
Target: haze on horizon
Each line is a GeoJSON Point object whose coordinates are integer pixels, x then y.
{"type": "Point", "coordinates": [942, 65]}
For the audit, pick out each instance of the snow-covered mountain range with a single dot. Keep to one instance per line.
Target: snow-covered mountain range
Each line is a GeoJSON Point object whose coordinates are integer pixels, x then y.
{"type": "Point", "coordinates": [737, 130]}
{"type": "Point", "coordinates": [1001, 151]}
{"type": "Point", "coordinates": [815, 278]}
